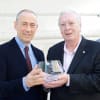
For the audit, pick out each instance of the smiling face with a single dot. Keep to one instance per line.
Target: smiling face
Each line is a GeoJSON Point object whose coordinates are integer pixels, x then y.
{"type": "Point", "coordinates": [70, 26]}
{"type": "Point", "coordinates": [26, 26]}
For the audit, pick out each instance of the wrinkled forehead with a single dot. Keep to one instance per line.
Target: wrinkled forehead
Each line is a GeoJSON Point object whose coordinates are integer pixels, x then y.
{"type": "Point", "coordinates": [26, 17]}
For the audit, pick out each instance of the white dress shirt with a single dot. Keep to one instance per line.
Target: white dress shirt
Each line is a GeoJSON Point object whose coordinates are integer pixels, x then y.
{"type": "Point", "coordinates": [68, 57]}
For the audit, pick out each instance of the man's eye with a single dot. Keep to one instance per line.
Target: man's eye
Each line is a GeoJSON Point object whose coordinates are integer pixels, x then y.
{"type": "Point", "coordinates": [62, 24]}
{"type": "Point", "coordinates": [24, 24]}
{"type": "Point", "coordinates": [71, 23]}
{"type": "Point", "coordinates": [33, 25]}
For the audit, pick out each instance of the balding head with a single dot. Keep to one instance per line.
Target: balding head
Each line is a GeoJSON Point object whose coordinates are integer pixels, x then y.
{"type": "Point", "coordinates": [25, 11]}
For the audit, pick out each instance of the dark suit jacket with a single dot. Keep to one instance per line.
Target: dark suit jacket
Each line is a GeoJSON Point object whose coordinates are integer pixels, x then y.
{"type": "Point", "coordinates": [84, 72]}
{"type": "Point", "coordinates": [12, 68]}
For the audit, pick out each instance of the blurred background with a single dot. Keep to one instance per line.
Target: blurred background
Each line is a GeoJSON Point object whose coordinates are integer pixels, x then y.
{"type": "Point", "coordinates": [48, 12]}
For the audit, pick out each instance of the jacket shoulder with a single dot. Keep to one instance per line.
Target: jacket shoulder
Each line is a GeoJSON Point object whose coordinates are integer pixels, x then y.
{"type": "Point", "coordinates": [57, 45]}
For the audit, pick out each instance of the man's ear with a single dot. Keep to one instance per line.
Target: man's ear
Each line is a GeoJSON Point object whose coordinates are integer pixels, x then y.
{"type": "Point", "coordinates": [15, 24]}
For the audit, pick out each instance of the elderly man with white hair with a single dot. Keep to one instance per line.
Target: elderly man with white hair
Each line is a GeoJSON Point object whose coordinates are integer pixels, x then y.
{"type": "Point", "coordinates": [80, 60]}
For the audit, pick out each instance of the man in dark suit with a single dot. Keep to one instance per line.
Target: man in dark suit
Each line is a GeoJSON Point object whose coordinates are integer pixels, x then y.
{"type": "Point", "coordinates": [16, 81]}
{"type": "Point", "coordinates": [80, 59]}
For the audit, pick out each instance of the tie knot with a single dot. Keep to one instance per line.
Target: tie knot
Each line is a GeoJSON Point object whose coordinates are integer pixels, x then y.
{"type": "Point", "coordinates": [26, 49]}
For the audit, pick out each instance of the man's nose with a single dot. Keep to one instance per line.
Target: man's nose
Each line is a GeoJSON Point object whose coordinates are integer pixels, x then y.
{"type": "Point", "coordinates": [67, 26]}
{"type": "Point", "coordinates": [28, 28]}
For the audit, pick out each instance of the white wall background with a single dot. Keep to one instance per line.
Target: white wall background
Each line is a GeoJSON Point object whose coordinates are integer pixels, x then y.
{"type": "Point", "coordinates": [48, 11]}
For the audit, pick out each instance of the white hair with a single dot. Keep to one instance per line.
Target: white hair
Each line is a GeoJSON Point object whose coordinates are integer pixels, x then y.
{"type": "Point", "coordinates": [75, 14]}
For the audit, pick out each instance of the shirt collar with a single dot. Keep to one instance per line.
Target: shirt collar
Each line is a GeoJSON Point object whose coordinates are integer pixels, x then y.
{"type": "Point", "coordinates": [74, 51]}
{"type": "Point", "coordinates": [20, 43]}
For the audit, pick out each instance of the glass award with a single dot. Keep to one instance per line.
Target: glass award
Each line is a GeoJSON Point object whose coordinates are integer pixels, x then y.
{"type": "Point", "coordinates": [41, 65]}
{"type": "Point", "coordinates": [53, 69]}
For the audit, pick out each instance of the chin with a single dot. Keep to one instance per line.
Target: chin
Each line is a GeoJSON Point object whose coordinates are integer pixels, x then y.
{"type": "Point", "coordinates": [69, 38]}
{"type": "Point", "coordinates": [27, 41]}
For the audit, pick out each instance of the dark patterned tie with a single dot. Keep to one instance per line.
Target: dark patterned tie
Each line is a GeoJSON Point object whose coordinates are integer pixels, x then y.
{"type": "Point", "coordinates": [28, 59]}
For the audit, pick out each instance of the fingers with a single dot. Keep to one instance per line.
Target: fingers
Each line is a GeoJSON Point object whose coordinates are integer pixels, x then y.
{"type": "Point", "coordinates": [61, 80]}
{"type": "Point", "coordinates": [36, 70]}
{"type": "Point", "coordinates": [35, 77]}
{"type": "Point", "coordinates": [52, 84]}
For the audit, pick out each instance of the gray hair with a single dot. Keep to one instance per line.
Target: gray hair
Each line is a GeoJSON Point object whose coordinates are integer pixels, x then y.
{"type": "Point", "coordinates": [25, 10]}
{"type": "Point", "coordinates": [75, 14]}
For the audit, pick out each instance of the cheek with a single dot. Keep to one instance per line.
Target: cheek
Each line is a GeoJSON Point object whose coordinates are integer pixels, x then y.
{"type": "Point", "coordinates": [20, 29]}
{"type": "Point", "coordinates": [62, 30]}
{"type": "Point", "coordinates": [34, 30]}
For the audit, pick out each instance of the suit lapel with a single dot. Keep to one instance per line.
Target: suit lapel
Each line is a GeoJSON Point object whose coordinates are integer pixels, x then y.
{"type": "Point", "coordinates": [16, 52]}
{"type": "Point", "coordinates": [38, 53]}
{"type": "Point", "coordinates": [60, 53]}
{"type": "Point", "coordinates": [78, 56]}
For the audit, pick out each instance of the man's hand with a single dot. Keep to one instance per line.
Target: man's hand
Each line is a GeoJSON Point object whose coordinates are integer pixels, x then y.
{"type": "Point", "coordinates": [35, 77]}
{"type": "Point", "coordinates": [62, 79]}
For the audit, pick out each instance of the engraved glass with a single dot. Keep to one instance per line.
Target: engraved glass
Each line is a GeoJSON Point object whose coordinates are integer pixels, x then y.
{"type": "Point", "coordinates": [53, 69]}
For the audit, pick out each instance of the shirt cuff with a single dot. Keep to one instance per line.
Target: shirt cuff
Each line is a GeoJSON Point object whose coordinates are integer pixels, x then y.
{"type": "Point", "coordinates": [68, 82]}
{"type": "Point", "coordinates": [24, 85]}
